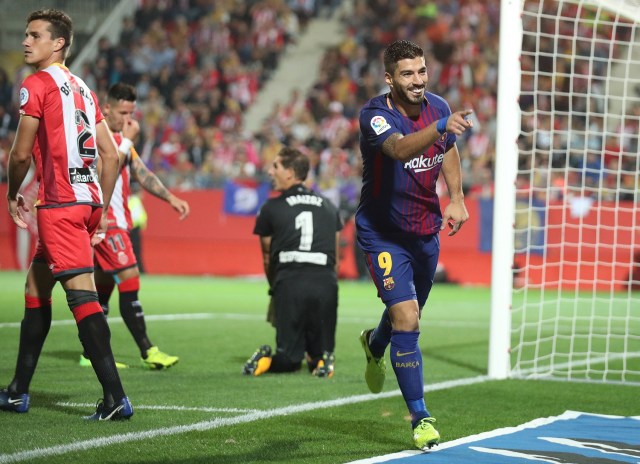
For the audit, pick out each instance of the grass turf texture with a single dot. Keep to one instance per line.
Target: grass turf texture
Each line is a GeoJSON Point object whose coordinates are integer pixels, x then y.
{"type": "Point", "coordinates": [227, 327]}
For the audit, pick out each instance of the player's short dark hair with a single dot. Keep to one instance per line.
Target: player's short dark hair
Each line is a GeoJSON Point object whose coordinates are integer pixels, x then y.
{"type": "Point", "coordinates": [292, 158]}
{"type": "Point", "coordinates": [122, 91]}
{"type": "Point", "coordinates": [60, 24]}
{"type": "Point", "coordinates": [400, 50]}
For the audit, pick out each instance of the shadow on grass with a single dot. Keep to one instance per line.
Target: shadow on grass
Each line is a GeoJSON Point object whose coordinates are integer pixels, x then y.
{"type": "Point", "coordinates": [437, 353]}
{"type": "Point", "coordinates": [287, 451]}
{"type": "Point", "coordinates": [324, 429]}
{"type": "Point", "coordinates": [314, 439]}
{"type": "Point", "coordinates": [64, 355]}
{"type": "Point", "coordinates": [48, 400]}
{"type": "Point", "coordinates": [271, 451]}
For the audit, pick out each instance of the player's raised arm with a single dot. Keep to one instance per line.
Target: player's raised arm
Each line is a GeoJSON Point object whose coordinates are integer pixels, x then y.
{"type": "Point", "coordinates": [404, 148]}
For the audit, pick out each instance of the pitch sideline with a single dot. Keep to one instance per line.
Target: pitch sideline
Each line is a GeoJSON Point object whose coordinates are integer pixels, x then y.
{"type": "Point", "coordinates": [85, 445]}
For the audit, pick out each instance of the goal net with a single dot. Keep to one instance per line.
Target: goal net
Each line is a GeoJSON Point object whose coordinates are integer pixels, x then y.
{"type": "Point", "coordinates": [572, 179]}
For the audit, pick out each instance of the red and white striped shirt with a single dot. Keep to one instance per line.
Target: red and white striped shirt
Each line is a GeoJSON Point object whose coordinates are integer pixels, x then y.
{"type": "Point", "coordinates": [65, 149]}
{"type": "Point", "coordinates": [119, 215]}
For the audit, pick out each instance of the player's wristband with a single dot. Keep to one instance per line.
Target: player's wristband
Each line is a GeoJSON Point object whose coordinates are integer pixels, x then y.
{"type": "Point", "coordinates": [441, 125]}
{"type": "Point", "coordinates": [125, 146]}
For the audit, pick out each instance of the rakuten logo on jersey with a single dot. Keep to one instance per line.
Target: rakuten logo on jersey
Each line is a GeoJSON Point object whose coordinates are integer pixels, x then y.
{"type": "Point", "coordinates": [424, 163]}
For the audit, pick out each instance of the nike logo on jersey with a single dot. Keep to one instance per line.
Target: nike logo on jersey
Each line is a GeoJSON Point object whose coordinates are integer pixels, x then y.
{"type": "Point", "coordinates": [398, 354]}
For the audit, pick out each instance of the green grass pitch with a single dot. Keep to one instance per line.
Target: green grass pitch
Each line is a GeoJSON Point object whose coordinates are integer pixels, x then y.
{"type": "Point", "coordinates": [203, 410]}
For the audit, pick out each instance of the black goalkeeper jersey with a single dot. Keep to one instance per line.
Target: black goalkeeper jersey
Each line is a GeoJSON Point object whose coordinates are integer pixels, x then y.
{"type": "Point", "coordinates": [302, 225]}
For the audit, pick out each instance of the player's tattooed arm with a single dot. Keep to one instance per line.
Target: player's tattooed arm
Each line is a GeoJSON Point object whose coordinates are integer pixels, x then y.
{"type": "Point", "coordinates": [389, 145]}
{"type": "Point", "coordinates": [148, 180]}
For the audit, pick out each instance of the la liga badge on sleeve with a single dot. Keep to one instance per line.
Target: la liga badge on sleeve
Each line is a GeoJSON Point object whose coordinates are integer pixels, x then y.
{"type": "Point", "coordinates": [24, 96]}
{"type": "Point", "coordinates": [379, 124]}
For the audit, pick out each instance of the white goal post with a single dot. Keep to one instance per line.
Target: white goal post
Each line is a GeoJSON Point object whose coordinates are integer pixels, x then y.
{"type": "Point", "coordinates": [565, 292]}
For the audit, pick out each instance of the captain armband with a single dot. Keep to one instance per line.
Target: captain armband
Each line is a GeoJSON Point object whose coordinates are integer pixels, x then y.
{"type": "Point", "coordinates": [125, 146]}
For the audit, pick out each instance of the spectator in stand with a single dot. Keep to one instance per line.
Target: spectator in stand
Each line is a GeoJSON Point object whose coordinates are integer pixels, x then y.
{"type": "Point", "coordinates": [335, 127]}
{"type": "Point", "coordinates": [8, 122]}
{"type": "Point", "coordinates": [304, 9]}
{"type": "Point", "coordinates": [6, 89]}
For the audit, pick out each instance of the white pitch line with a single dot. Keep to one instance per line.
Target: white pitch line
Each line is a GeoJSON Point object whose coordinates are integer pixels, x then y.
{"type": "Point", "coordinates": [249, 317]}
{"type": "Point", "coordinates": [164, 408]}
{"type": "Point", "coordinates": [218, 422]}
{"type": "Point", "coordinates": [157, 317]}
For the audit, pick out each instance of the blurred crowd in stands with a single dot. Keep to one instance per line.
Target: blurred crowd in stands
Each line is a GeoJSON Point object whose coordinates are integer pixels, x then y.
{"type": "Point", "coordinates": [198, 65]}
{"type": "Point", "coordinates": [569, 146]}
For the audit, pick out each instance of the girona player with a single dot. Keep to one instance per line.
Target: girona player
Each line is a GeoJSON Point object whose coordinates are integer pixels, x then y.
{"type": "Point", "coordinates": [115, 261]}
{"type": "Point", "coordinates": [63, 129]}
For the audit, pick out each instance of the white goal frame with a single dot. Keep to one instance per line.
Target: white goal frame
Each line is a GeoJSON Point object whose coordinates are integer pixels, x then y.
{"type": "Point", "coordinates": [506, 171]}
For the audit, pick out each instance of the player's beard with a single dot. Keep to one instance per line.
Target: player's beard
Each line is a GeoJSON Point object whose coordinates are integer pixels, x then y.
{"type": "Point", "coordinates": [408, 97]}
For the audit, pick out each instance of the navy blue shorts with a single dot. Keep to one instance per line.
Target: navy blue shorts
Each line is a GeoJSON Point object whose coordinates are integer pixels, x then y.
{"type": "Point", "coordinates": [402, 269]}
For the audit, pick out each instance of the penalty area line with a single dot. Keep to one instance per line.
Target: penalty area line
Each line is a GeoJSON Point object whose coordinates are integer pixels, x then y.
{"type": "Point", "coordinates": [218, 422]}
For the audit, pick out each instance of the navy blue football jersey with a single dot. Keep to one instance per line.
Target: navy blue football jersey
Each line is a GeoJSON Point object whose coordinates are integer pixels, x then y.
{"type": "Point", "coordinates": [399, 198]}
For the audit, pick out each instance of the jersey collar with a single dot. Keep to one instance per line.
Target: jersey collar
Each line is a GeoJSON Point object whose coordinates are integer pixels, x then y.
{"type": "Point", "coordinates": [392, 106]}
